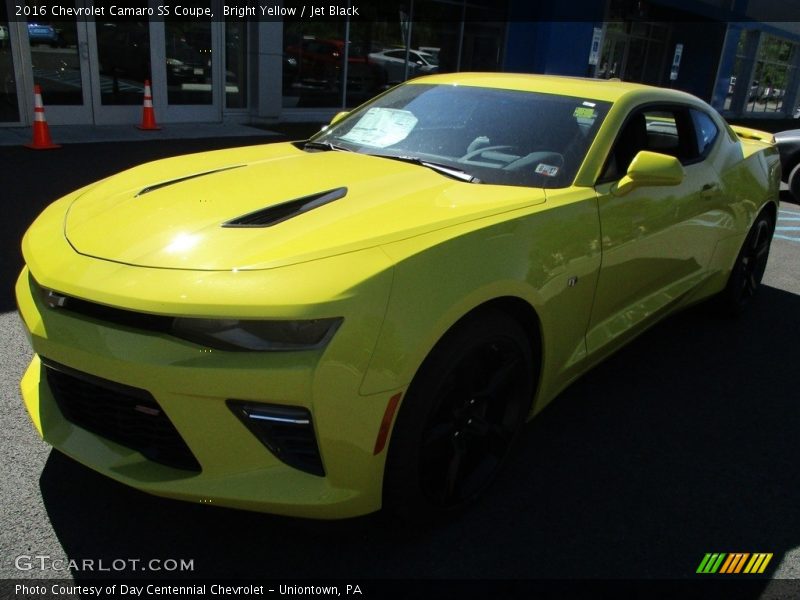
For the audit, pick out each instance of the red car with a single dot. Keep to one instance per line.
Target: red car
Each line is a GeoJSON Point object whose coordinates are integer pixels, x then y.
{"type": "Point", "coordinates": [320, 63]}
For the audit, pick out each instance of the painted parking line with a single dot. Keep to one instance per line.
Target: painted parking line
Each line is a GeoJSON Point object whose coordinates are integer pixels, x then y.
{"type": "Point", "coordinates": [786, 226]}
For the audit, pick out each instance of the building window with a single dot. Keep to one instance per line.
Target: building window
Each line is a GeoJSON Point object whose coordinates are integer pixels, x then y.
{"type": "Point", "coordinates": [337, 64]}
{"type": "Point", "coordinates": [773, 71]}
{"type": "Point", "coordinates": [633, 51]}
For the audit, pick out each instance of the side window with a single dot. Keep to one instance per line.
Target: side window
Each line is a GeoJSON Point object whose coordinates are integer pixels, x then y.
{"type": "Point", "coordinates": [666, 130]}
{"type": "Point", "coordinates": [706, 131]}
{"type": "Point", "coordinates": [662, 132]}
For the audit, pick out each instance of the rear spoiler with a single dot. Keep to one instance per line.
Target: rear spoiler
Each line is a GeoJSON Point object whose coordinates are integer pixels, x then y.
{"type": "Point", "coordinates": [745, 133]}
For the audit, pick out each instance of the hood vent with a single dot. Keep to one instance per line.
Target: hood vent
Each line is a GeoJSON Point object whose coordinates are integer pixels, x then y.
{"type": "Point", "coordinates": [163, 184]}
{"type": "Point", "coordinates": [267, 217]}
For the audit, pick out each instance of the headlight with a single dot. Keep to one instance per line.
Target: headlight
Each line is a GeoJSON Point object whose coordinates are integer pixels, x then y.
{"type": "Point", "coordinates": [223, 334]}
{"type": "Point", "coordinates": [263, 336]}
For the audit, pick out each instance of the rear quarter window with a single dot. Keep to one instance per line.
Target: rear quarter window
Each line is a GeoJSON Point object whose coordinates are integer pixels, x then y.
{"type": "Point", "coordinates": [706, 131]}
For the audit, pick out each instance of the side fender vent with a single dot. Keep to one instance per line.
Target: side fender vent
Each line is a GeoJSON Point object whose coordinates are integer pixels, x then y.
{"type": "Point", "coordinates": [267, 217]}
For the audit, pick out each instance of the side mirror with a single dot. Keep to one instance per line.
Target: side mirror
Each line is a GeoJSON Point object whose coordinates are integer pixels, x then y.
{"type": "Point", "coordinates": [650, 168]}
{"type": "Point", "coordinates": [338, 117]}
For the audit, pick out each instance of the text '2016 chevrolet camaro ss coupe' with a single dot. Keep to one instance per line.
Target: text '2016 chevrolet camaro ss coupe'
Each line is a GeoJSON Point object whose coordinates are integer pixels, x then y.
{"type": "Point", "coordinates": [367, 318]}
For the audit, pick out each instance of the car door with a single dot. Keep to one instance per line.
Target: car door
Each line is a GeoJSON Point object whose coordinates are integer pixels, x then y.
{"type": "Point", "coordinates": [656, 245]}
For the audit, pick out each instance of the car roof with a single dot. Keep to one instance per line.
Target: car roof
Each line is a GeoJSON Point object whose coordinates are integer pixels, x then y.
{"type": "Point", "coordinates": [608, 90]}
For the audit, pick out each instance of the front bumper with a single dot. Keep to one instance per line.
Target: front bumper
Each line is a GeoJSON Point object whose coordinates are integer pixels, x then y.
{"type": "Point", "coordinates": [193, 386]}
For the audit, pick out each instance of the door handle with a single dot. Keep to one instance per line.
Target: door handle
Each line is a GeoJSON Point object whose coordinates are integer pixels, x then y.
{"type": "Point", "coordinates": [709, 190]}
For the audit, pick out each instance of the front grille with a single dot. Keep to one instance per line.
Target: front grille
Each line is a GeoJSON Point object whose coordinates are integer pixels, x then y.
{"type": "Point", "coordinates": [126, 415]}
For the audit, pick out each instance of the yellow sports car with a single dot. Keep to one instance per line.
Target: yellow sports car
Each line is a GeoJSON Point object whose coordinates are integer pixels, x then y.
{"type": "Point", "coordinates": [367, 318]}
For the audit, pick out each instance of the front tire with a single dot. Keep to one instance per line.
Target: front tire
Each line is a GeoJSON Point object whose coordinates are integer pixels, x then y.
{"type": "Point", "coordinates": [459, 418]}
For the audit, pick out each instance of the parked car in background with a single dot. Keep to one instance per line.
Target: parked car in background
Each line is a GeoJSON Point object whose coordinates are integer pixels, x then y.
{"type": "Point", "coordinates": [789, 148]}
{"type": "Point", "coordinates": [393, 62]}
{"type": "Point", "coordinates": [44, 33]}
{"type": "Point", "coordinates": [3, 36]}
{"type": "Point", "coordinates": [125, 53]}
{"type": "Point", "coordinates": [317, 64]}
{"type": "Point", "coordinates": [432, 50]}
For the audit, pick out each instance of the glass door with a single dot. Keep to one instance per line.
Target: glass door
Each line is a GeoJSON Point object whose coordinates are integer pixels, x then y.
{"type": "Point", "coordinates": [191, 72]}
{"type": "Point", "coordinates": [120, 60]}
{"type": "Point", "coordinates": [93, 70]}
{"type": "Point", "coordinates": [53, 56]}
{"type": "Point", "coordinates": [9, 68]}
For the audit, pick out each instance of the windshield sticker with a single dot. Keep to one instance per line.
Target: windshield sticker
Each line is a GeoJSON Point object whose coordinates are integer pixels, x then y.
{"type": "Point", "coordinates": [589, 104]}
{"type": "Point", "coordinates": [547, 170]}
{"type": "Point", "coordinates": [584, 113]}
{"type": "Point", "coordinates": [382, 127]}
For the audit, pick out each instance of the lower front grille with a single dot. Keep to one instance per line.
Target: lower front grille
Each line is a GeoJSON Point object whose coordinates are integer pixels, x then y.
{"type": "Point", "coordinates": [126, 415]}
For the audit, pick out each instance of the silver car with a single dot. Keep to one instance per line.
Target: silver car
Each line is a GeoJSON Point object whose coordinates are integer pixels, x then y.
{"type": "Point", "coordinates": [393, 62]}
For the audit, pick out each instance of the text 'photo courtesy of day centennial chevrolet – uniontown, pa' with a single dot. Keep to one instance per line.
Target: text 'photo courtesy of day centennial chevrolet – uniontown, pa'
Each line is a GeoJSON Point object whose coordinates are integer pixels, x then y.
{"type": "Point", "coordinates": [265, 10]}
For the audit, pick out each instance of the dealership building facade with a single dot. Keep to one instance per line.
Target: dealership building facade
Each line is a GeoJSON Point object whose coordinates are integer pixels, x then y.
{"type": "Point", "coordinates": [91, 62]}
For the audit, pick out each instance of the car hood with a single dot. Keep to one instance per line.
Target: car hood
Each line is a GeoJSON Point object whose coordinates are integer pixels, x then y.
{"type": "Point", "coordinates": [183, 212]}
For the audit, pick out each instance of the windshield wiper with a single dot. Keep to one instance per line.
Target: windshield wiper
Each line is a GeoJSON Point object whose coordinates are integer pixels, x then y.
{"type": "Point", "coordinates": [439, 168]}
{"type": "Point", "coordinates": [314, 145]}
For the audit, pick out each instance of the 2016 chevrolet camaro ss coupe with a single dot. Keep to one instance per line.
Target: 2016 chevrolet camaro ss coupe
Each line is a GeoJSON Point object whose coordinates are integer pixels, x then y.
{"type": "Point", "coordinates": [367, 318]}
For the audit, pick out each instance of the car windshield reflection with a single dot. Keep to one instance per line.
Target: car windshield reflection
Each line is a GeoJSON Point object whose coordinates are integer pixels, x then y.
{"type": "Point", "coordinates": [502, 137]}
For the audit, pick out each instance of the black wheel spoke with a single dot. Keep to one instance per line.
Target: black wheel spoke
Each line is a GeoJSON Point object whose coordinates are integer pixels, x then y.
{"type": "Point", "coordinates": [438, 433]}
{"type": "Point", "coordinates": [454, 469]}
{"type": "Point", "coordinates": [761, 251]}
{"type": "Point", "coordinates": [477, 426]}
{"type": "Point", "coordinates": [499, 379]}
{"type": "Point", "coordinates": [752, 284]}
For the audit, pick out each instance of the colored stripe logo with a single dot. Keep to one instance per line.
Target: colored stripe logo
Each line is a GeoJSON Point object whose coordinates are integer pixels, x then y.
{"type": "Point", "coordinates": [734, 562]}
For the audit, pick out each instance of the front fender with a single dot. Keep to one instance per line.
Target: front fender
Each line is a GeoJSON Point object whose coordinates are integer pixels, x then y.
{"type": "Point", "coordinates": [531, 255]}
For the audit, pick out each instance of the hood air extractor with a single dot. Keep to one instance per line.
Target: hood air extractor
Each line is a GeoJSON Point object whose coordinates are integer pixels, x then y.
{"type": "Point", "coordinates": [267, 217]}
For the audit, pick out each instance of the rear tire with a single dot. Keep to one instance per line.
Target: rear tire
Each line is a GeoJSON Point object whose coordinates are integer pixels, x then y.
{"type": "Point", "coordinates": [459, 418]}
{"type": "Point", "coordinates": [745, 278]}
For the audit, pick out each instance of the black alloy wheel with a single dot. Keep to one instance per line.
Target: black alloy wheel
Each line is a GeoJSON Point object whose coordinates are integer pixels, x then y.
{"type": "Point", "coordinates": [460, 417]}
{"type": "Point", "coordinates": [751, 263]}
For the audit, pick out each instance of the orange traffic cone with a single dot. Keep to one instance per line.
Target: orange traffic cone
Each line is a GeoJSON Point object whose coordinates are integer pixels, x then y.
{"type": "Point", "coordinates": [148, 114]}
{"type": "Point", "coordinates": [41, 133]}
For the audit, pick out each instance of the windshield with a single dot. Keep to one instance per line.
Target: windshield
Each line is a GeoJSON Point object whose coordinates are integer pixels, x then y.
{"type": "Point", "coordinates": [429, 58]}
{"type": "Point", "coordinates": [502, 137]}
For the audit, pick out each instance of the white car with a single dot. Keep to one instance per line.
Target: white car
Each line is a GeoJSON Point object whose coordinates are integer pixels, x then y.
{"type": "Point", "coordinates": [3, 34]}
{"type": "Point", "coordinates": [394, 63]}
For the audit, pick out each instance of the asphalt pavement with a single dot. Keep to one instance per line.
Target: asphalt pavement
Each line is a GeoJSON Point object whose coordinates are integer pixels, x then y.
{"type": "Point", "coordinates": [683, 443]}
